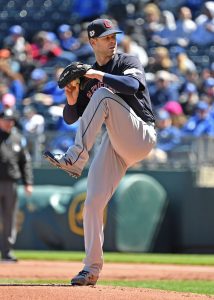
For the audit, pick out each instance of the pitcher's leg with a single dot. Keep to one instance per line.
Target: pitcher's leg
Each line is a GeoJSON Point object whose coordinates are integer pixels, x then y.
{"type": "Point", "coordinates": [105, 173]}
{"type": "Point", "coordinates": [122, 125]}
{"type": "Point", "coordinates": [129, 135]}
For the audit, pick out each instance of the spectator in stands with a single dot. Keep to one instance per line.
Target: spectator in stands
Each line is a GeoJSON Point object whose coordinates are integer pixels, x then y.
{"type": "Point", "coordinates": [18, 53]}
{"type": "Point", "coordinates": [188, 98]}
{"type": "Point", "coordinates": [134, 29]}
{"type": "Point", "coordinates": [205, 74]}
{"type": "Point", "coordinates": [160, 60]}
{"type": "Point", "coordinates": [163, 90]}
{"type": "Point", "coordinates": [51, 88]}
{"type": "Point", "coordinates": [195, 6]}
{"type": "Point", "coordinates": [169, 137]}
{"type": "Point", "coordinates": [62, 55]}
{"type": "Point", "coordinates": [67, 41]}
{"type": "Point", "coordinates": [165, 36]}
{"type": "Point", "coordinates": [208, 90]}
{"type": "Point", "coordinates": [204, 33]}
{"type": "Point", "coordinates": [169, 20]}
{"type": "Point", "coordinates": [182, 63]}
{"type": "Point", "coordinates": [201, 123]}
{"type": "Point", "coordinates": [33, 125]}
{"type": "Point", "coordinates": [202, 15]}
{"type": "Point", "coordinates": [175, 110]}
{"type": "Point", "coordinates": [128, 45]}
{"type": "Point", "coordinates": [43, 91]}
{"type": "Point", "coordinates": [184, 27]}
{"type": "Point", "coordinates": [6, 56]}
{"type": "Point", "coordinates": [35, 94]}
{"type": "Point", "coordinates": [84, 52]}
{"type": "Point", "coordinates": [17, 44]}
{"type": "Point", "coordinates": [36, 81]}
{"type": "Point", "coordinates": [153, 23]}
{"type": "Point", "coordinates": [44, 48]}
{"type": "Point", "coordinates": [12, 79]}
{"type": "Point", "coordinates": [192, 76]}
{"type": "Point", "coordinates": [7, 100]}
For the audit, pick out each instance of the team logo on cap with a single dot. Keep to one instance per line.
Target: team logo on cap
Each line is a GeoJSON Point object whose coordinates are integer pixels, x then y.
{"type": "Point", "coordinates": [91, 33]}
{"type": "Point", "coordinates": [107, 23]}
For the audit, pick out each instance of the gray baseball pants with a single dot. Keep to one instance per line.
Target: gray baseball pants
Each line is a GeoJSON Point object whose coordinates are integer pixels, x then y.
{"type": "Point", "coordinates": [127, 140]}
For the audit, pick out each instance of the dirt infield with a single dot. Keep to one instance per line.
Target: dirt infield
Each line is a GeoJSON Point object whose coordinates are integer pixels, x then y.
{"type": "Point", "coordinates": [65, 270]}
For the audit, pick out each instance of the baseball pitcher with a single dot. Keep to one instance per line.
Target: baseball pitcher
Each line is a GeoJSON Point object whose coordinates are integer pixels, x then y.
{"type": "Point", "coordinates": [112, 91]}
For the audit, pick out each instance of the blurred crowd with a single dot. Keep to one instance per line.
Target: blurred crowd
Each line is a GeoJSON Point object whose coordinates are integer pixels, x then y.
{"type": "Point", "coordinates": [174, 42]}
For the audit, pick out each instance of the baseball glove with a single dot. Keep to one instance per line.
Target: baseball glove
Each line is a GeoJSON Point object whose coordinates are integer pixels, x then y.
{"type": "Point", "coordinates": [71, 72]}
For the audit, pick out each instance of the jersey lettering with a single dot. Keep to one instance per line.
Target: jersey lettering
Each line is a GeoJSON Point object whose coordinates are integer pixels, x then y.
{"type": "Point", "coordinates": [96, 87]}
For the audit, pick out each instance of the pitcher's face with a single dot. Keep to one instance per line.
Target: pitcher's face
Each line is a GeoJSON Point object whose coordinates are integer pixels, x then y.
{"type": "Point", "coordinates": [106, 45]}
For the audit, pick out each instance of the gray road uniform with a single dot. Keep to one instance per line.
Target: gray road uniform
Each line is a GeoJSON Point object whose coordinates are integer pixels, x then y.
{"type": "Point", "coordinates": [130, 135]}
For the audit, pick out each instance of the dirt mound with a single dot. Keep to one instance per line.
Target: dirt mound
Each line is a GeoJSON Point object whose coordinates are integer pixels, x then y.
{"type": "Point", "coordinates": [65, 270]}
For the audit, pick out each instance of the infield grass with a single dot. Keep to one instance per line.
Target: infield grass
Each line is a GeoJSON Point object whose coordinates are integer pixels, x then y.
{"type": "Point", "coordinates": [185, 286]}
{"type": "Point", "coordinates": [151, 258]}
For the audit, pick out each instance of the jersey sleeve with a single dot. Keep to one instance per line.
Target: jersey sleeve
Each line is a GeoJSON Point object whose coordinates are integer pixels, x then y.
{"type": "Point", "coordinates": [131, 66]}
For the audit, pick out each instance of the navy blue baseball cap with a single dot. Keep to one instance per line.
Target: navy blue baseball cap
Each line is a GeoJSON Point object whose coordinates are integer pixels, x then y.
{"type": "Point", "coordinates": [101, 27]}
{"type": "Point", "coordinates": [162, 114]}
{"type": "Point", "coordinates": [202, 105]}
{"type": "Point", "coordinates": [64, 28]}
{"type": "Point", "coordinates": [8, 114]}
{"type": "Point", "coordinates": [16, 30]}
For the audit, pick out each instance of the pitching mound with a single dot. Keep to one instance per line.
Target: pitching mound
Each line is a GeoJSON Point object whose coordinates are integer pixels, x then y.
{"type": "Point", "coordinates": [65, 270]}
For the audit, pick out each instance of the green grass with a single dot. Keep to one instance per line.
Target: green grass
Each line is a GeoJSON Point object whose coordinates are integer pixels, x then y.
{"type": "Point", "coordinates": [180, 259]}
{"type": "Point", "coordinates": [187, 286]}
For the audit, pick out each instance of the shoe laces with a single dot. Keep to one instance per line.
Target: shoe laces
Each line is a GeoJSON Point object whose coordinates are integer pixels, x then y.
{"type": "Point", "coordinates": [83, 273]}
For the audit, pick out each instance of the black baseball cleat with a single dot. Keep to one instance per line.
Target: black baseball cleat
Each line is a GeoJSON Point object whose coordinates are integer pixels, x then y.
{"type": "Point", "coordinates": [84, 278]}
{"type": "Point", "coordinates": [9, 257]}
{"type": "Point", "coordinates": [62, 161]}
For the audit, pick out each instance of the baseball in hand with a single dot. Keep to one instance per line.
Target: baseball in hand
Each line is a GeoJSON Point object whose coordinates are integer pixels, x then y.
{"type": "Point", "coordinates": [75, 82]}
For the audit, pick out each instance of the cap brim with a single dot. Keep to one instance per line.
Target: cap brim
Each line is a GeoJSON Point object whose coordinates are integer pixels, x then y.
{"type": "Point", "coordinates": [109, 32]}
{"type": "Point", "coordinates": [4, 117]}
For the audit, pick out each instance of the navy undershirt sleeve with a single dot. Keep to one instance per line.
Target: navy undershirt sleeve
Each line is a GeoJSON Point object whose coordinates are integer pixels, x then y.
{"type": "Point", "coordinates": [70, 113]}
{"type": "Point", "coordinates": [122, 84]}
